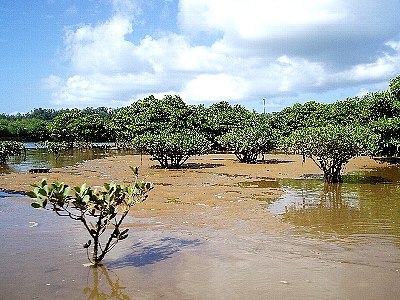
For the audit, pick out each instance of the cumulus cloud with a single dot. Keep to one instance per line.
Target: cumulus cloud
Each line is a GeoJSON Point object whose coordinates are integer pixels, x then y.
{"type": "Point", "coordinates": [232, 50]}
{"type": "Point", "coordinates": [381, 67]}
{"type": "Point", "coordinates": [101, 49]}
{"type": "Point", "coordinates": [126, 8]}
{"type": "Point", "coordinates": [314, 29]}
{"type": "Point", "coordinates": [215, 87]}
{"type": "Point", "coordinates": [51, 82]}
{"type": "Point", "coordinates": [256, 19]}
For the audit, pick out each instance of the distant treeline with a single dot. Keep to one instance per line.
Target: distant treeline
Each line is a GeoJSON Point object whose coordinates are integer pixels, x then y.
{"type": "Point", "coordinates": [34, 126]}
{"type": "Point", "coordinates": [379, 111]}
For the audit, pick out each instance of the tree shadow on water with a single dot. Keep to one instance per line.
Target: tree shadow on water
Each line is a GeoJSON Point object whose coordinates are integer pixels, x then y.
{"type": "Point", "coordinates": [150, 253]}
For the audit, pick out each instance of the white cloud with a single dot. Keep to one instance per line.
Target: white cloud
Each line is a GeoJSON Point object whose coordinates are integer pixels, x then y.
{"type": "Point", "coordinates": [51, 82]}
{"type": "Point", "coordinates": [334, 31]}
{"type": "Point", "coordinates": [104, 90]}
{"type": "Point", "coordinates": [215, 87]}
{"type": "Point", "coordinates": [102, 48]}
{"type": "Point", "coordinates": [262, 49]}
{"type": "Point", "coordinates": [387, 65]}
{"type": "Point", "coordinates": [255, 19]}
{"type": "Point", "coordinates": [127, 8]}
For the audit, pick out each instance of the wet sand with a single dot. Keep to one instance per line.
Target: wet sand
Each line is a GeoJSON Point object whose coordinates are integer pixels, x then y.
{"type": "Point", "coordinates": [210, 190]}
{"type": "Point", "coordinates": [202, 234]}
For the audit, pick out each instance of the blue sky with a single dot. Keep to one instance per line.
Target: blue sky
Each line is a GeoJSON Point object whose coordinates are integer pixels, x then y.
{"type": "Point", "coordinates": [82, 53]}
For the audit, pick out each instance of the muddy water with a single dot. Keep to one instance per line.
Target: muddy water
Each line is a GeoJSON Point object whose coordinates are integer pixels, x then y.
{"type": "Point", "coordinates": [41, 258]}
{"type": "Point", "coordinates": [37, 157]}
{"type": "Point", "coordinates": [340, 210]}
{"type": "Point", "coordinates": [342, 243]}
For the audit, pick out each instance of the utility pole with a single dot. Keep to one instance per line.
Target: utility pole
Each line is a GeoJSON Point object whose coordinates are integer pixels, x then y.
{"type": "Point", "coordinates": [264, 105]}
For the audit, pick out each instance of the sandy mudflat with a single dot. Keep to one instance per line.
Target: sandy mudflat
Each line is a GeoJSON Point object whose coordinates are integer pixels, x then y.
{"type": "Point", "coordinates": [203, 233]}
{"type": "Point", "coordinates": [212, 190]}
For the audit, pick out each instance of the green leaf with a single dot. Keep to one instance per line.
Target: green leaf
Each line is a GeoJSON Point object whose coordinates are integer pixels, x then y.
{"type": "Point", "coordinates": [42, 192]}
{"type": "Point", "coordinates": [83, 187]}
{"type": "Point", "coordinates": [36, 205]}
{"type": "Point", "coordinates": [86, 199]}
{"type": "Point", "coordinates": [43, 182]}
{"type": "Point", "coordinates": [31, 194]}
{"type": "Point", "coordinates": [67, 191]}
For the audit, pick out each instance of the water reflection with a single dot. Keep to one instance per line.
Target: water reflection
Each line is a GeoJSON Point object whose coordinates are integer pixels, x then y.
{"type": "Point", "coordinates": [5, 169]}
{"type": "Point", "coordinates": [344, 209]}
{"type": "Point", "coordinates": [40, 158]}
{"type": "Point", "coordinates": [104, 285]}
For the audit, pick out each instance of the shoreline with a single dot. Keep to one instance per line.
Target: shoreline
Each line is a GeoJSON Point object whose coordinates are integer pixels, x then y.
{"type": "Point", "coordinates": [203, 233]}
{"type": "Point", "coordinates": [213, 190]}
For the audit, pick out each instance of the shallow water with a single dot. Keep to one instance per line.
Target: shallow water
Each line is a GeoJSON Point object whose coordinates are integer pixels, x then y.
{"type": "Point", "coordinates": [341, 210]}
{"type": "Point", "coordinates": [37, 157]}
{"type": "Point", "coordinates": [344, 243]}
{"type": "Point", "coordinates": [41, 257]}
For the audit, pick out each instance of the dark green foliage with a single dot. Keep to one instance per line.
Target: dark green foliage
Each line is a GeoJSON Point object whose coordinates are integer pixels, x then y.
{"type": "Point", "coordinates": [394, 88]}
{"type": "Point", "coordinates": [10, 148]}
{"type": "Point", "coordinates": [345, 112]}
{"type": "Point", "coordinates": [378, 111]}
{"type": "Point", "coordinates": [75, 126]}
{"type": "Point", "coordinates": [250, 141]}
{"type": "Point", "coordinates": [172, 148]}
{"type": "Point", "coordinates": [98, 210]}
{"type": "Point", "coordinates": [379, 105]}
{"type": "Point", "coordinates": [332, 146]}
{"type": "Point", "coordinates": [220, 118]}
{"type": "Point", "coordinates": [62, 128]}
{"type": "Point", "coordinates": [23, 129]}
{"type": "Point", "coordinates": [165, 129]}
{"type": "Point", "coordinates": [4, 132]}
{"type": "Point", "coordinates": [310, 114]}
{"type": "Point", "coordinates": [150, 115]}
{"type": "Point", "coordinates": [389, 132]}
{"type": "Point", "coordinates": [44, 114]}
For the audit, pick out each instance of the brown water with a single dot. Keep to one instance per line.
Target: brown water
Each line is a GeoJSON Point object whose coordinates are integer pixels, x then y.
{"type": "Point", "coordinates": [349, 209]}
{"type": "Point", "coordinates": [40, 158]}
{"type": "Point", "coordinates": [344, 244]}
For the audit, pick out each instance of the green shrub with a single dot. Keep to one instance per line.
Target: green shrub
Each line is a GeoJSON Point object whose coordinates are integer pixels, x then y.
{"type": "Point", "coordinates": [249, 142]}
{"type": "Point", "coordinates": [98, 210]}
{"type": "Point", "coordinates": [332, 146]}
{"type": "Point", "coordinates": [172, 149]}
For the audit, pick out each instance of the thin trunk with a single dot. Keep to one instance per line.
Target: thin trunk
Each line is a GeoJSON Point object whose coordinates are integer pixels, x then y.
{"type": "Point", "coordinates": [95, 251]}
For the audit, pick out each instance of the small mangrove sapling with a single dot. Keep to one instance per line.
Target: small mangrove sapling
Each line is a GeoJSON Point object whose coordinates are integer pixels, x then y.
{"type": "Point", "coordinates": [98, 210]}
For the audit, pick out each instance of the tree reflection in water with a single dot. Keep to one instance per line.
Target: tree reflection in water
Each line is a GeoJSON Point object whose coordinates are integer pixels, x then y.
{"type": "Point", "coordinates": [6, 169]}
{"type": "Point", "coordinates": [344, 209]}
{"type": "Point", "coordinates": [328, 212]}
{"type": "Point", "coordinates": [104, 285]}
